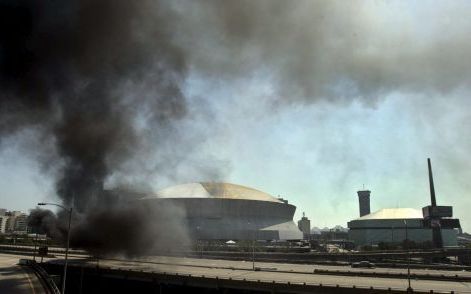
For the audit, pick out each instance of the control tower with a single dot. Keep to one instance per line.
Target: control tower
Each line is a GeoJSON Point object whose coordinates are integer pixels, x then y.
{"type": "Point", "coordinates": [364, 200]}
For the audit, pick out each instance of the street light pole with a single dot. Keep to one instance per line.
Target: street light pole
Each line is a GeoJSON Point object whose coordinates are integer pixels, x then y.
{"type": "Point", "coordinates": [253, 246]}
{"type": "Point", "coordinates": [35, 241]}
{"type": "Point", "coordinates": [253, 253]}
{"type": "Point", "coordinates": [199, 242]}
{"type": "Point", "coordinates": [392, 237]}
{"type": "Point", "coordinates": [69, 210]}
{"type": "Point", "coordinates": [409, 288]}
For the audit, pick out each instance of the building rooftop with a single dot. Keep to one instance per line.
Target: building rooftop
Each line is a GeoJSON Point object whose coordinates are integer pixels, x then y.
{"type": "Point", "coordinates": [213, 190]}
{"type": "Point", "coordinates": [393, 213]}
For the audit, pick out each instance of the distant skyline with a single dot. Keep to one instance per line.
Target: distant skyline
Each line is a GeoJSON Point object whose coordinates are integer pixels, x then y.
{"type": "Point", "coordinates": [307, 100]}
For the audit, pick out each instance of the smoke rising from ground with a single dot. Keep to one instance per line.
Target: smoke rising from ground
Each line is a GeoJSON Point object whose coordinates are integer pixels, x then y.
{"type": "Point", "coordinates": [105, 80]}
{"type": "Point", "coordinates": [44, 222]}
{"type": "Point", "coordinates": [133, 230]}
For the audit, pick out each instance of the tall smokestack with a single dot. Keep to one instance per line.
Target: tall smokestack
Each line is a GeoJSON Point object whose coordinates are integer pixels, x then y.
{"type": "Point", "coordinates": [432, 188]}
{"type": "Point", "coordinates": [364, 199]}
{"type": "Point", "coordinates": [434, 213]}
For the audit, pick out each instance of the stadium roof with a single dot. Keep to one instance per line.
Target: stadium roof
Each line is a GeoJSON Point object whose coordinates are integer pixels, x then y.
{"type": "Point", "coordinates": [393, 213]}
{"type": "Point", "coordinates": [214, 190]}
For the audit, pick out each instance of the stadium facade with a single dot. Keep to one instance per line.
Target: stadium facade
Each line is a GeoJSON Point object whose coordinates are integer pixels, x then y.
{"type": "Point", "coordinates": [223, 211]}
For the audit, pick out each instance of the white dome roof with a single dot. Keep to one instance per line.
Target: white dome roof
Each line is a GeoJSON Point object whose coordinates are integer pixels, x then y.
{"type": "Point", "coordinates": [394, 213]}
{"type": "Point", "coordinates": [213, 190]}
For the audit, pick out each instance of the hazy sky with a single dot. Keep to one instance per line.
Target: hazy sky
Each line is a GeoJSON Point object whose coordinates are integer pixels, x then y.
{"type": "Point", "coordinates": [310, 110]}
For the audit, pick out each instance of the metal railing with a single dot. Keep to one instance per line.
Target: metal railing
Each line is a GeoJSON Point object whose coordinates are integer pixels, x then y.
{"type": "Point", "coordinates": [48, 282]}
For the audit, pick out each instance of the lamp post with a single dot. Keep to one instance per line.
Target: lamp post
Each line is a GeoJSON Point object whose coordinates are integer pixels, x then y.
{"type": "Point", "coordinates": [392, 237]}
{"type": "Point", "coordinates": [69, 210]}
{"type": "Point", "coordinates": [409, 288]}
{"type": "Point", "coordinates": [253, 253]}
{"type": "Point", "coordinates": [199, 241]}
{"type": "Point", "coordinates": [35, 241]}
{"type": "Point", "coordinates": [253, 247]}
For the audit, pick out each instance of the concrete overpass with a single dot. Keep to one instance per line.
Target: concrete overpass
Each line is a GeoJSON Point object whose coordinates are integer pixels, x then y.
{"type": "Point", "coordinates": [222, 274]}
{"type": "Point", "coordinates": [16, 279]}
{"type": "Point", "coordinates": [169, 272]}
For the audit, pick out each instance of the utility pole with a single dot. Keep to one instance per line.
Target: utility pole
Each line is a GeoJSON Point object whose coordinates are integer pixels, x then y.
{"type": "Point", "coordinates": [409, 288]}
{"type": "Point", "coordinates": [69, 210]}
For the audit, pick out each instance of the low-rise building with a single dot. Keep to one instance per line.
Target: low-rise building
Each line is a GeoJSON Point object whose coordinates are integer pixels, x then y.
{"type": "Point", "coordinates": [394, 225]}
{"type": "Point", "coordinates": [3, 223]}
{"type": "Point", "coordinates": [13, 222]}
{"type": "Point", "coordinates": [21, 223]}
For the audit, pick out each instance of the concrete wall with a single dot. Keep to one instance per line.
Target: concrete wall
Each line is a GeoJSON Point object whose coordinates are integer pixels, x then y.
{"type": "Point", "coordinates": [391, 235]}
{"type": "Point", "coordinates": [233, 219]}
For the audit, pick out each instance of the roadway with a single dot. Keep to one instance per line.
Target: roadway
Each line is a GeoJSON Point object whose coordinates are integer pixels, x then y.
{"type": "Point", "coordinates": [15, 279]}
{"type": "Point", "coordinates": [299, 268]}
{"type": "Point", "coordinates": [242, 270]}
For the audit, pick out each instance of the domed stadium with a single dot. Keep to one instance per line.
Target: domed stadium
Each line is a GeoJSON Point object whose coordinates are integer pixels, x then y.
{"type": "Point", "coordinates": [222, 211]}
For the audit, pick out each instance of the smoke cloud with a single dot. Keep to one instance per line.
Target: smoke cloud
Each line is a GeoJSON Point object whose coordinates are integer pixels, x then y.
{"type": "Point", "coordinates": [105, 80]}
{"type": "Point", "coordinates": [137, 229]}
{"type": "Point", "coordinates": [44, 222]}
{"type": "Point", "coordinates": [329, 50]}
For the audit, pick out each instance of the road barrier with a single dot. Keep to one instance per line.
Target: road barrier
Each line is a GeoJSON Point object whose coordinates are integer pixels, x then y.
{"type": "Point", "coordinates": [432, 277]}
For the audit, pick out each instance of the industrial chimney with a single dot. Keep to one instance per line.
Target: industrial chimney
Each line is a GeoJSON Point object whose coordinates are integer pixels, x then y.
{"type": "Point", "coordinates": [364, 199]}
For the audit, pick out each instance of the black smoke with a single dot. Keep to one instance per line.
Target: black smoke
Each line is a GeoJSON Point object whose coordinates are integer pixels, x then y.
{"type": "Point", "coordinates": [43, 221]}
{"type": "Point", "coordinates": [132, 230]}
{"type": "Point", "coordinates": [61, 67]}
{"type": "Point", "coordinates": [84, 74]}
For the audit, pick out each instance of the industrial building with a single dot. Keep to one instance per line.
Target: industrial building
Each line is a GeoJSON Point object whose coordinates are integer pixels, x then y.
{"type": "Point", "coordinates": [222, 211]}
{"type": "Point", "coordinates": [432, 224]}
{"type": "Point", "coordinates": [394, 225]}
